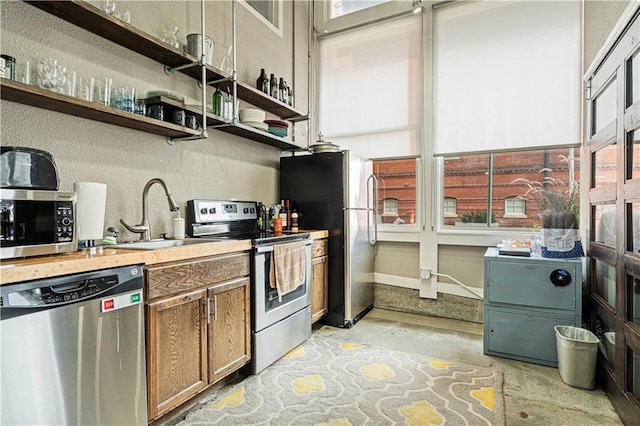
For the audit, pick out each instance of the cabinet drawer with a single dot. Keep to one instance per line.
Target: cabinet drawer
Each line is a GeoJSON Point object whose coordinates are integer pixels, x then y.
{"type": "Point", "coordinates": [529, 284]}
{"type": "Point", "coordinates": [522, 334]}
{"type": "Point", "coordinates": [173, 278]}
{"type": "Point", "coordinates": [319, 247]}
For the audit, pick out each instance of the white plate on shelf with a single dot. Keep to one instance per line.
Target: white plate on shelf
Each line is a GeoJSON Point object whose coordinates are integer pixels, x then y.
{"type": "Point", "coordinates": [257, 125]}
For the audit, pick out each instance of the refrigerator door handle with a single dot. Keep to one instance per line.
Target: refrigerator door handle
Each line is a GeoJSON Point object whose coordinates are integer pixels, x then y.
{"type": "Point", "coordinates": [372, 209]}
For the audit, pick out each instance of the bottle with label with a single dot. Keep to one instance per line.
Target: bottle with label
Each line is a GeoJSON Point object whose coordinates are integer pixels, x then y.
{"type": "Point", "coordinates": [261, 80]}
{"type": "Point", "coordinates": [218, 102]}
{"type": "Point", "coordinates": [294, 220]}
{"type": "Point", "coordinates": [290, 99]}
{"type": "Point", "coordinates": [284, 215]}
{"type": "Point", "coordinates": [228, 106]}
{"type": "Point", "coordinates": [273, 84]}
{"type": "Point", "coordinates": [287, 208]}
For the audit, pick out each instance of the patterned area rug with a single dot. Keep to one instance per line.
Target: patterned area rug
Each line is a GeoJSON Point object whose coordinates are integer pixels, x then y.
{"type": "Point", "coordinates": [329, 382]}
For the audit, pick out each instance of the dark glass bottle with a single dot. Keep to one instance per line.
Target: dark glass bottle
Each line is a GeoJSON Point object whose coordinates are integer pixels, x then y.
{"type": "Point", "coordinates": [287, 208]}
{"type": "Point", "coordinates": [282, 90]}
{"type": "Point", "coordinates": [218, 102]}
{"type": "Point", "coordinates": [283, 215]}
{"type": "Point", "coordinates": [274, 86]}
{"type": "Point", "coordinates": [260, 81]}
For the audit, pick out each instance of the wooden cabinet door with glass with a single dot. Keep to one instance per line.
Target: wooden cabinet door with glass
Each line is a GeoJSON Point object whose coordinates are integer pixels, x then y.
{"type": "Point", "coordinates": [613, 146]}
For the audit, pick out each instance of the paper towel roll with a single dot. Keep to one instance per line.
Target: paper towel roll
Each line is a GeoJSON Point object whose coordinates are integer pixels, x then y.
{"type": "Point", "coordinates": [91, 200]}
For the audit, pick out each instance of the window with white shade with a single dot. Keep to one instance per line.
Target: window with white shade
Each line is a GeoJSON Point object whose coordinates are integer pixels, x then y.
{"type": "Point", "coordinates": [507, 75]}
{"type": "Point", "coordinates": [370, 102]}
{"type": "Point", "coordinates": [370, 88]}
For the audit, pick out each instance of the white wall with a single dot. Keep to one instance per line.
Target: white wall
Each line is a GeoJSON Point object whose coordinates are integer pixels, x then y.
{"type": "Point", "coordinates": [221, 166]}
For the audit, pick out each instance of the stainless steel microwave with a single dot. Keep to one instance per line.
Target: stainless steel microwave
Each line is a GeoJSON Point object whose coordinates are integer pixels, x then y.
{"type": "Point", "coordinates": [36, 222]}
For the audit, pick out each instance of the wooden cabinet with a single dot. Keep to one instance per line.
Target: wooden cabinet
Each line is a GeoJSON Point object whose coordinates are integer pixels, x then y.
{"type": "Point", "coordinates": [319, 279]}
{"type": "Point", "coordinates": [229, 327]}
{"type": "Point", "coordinates": [176, 350]}
{"type": "Point", "coordinates": [197, 326]}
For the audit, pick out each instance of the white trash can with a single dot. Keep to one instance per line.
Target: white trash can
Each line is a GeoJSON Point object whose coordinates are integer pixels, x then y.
{"type": "Point", "coordinates": [577, 354]}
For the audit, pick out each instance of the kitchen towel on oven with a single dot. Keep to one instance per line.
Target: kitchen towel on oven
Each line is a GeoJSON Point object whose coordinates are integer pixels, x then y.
{"type": "Point", "coordinates": [287, 271]}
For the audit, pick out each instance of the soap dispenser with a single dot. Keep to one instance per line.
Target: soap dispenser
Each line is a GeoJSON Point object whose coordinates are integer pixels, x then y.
{"type": "Point", "coordinates": [178, 227]}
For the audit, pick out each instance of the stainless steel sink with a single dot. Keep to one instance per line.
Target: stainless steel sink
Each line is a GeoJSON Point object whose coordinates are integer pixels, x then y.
{"type": "Point", "coordinates": [161, 244]}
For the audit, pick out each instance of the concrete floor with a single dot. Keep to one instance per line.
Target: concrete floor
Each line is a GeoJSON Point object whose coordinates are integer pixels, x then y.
{"type": "Point", "coordinates": [534, 394]}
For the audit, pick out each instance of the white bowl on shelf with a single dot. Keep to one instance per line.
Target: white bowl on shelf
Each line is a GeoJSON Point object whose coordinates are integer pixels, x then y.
{"type": "Point", "coordinates": [253, 115]}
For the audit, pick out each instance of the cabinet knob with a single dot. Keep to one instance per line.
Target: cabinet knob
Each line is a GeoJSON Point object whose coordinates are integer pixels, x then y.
{"type": "Point", "coordinates": [560, 277]}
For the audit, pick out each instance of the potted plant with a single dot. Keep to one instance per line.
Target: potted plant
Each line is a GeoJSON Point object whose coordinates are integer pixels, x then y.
{"type": "Point", "coordinates": [558, 206]}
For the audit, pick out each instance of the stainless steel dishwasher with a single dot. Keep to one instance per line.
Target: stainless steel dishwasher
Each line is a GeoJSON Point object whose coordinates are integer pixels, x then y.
{"type": "Point", "coordinates": [73, 350]}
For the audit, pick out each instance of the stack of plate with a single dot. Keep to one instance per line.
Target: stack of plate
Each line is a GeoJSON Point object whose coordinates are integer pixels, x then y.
{"type": "Point", "coordinates": [277, 127]}
{"type": "Point", "coordinates": [254, 118]}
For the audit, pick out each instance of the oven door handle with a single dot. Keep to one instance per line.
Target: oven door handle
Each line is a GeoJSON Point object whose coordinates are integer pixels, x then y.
{"type": "Point", "coordinates": [269, 248]}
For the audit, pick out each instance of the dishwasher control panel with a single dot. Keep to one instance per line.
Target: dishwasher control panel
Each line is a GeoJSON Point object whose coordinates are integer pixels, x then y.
{"type": "Point", "coordinates": [51, 292]}
{"type": "Point", "coordinates": [68, 292]}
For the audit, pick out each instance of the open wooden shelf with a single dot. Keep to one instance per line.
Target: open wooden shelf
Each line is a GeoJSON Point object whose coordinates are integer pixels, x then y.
{"type": "Point", "coordinates": [225, 125]}
{"type": "Point", "coordinates": [34, 96]}
{"type": "Point", "coordinates": [94, 20]}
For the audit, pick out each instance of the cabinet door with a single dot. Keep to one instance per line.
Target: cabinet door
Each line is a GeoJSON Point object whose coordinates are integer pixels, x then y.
{"type": "Point", "coordinates": [319, 287]}
{"type": "Point", "coordinates": [229, 324]}
{"type": "Point", "coordinates": [176, 351]}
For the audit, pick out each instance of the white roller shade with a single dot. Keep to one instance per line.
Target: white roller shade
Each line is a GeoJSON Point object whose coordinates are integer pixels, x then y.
{"type": "Point", "coordinates": [507, 75]}
{"type": "Point", "coordinates": [371, 88]}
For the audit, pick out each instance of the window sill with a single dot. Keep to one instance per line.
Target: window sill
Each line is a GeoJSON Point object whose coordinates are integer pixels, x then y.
{"type": "Point", "coordinates": [487, 237]}
{"type": "Point", "coordinates": [399, 233]}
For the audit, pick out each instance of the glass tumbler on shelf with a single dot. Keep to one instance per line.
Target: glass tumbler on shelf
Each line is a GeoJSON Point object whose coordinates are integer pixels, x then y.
{"type": "Point", "coordinates": [86, 88]}
{"type": "Point", "coordinates": [46, 74]}
{"type": "Point", "coordinates": [124, 98]}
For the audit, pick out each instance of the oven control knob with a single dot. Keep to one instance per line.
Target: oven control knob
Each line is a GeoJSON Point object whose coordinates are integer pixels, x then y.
{"type": "Point", "coordinates": [246, 210]}
{"type": "Point", "coordinates": [252, 210]}
{"type": "Point", "coordinates": [212, 210]}
{"type": "Point", "coordinates": [203, 210]}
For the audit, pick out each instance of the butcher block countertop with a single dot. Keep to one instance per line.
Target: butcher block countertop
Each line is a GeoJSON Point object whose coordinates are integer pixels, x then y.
{"type": "Point", "coordinates": [31, 268]}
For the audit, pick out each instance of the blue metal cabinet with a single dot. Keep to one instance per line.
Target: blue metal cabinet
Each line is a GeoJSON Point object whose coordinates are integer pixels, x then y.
{"type": "Point", "coordinates": [524, 298]}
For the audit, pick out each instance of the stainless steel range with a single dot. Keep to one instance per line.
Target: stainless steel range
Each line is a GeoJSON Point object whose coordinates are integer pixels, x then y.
{"type": "Point", "coordinates": [280, 320]}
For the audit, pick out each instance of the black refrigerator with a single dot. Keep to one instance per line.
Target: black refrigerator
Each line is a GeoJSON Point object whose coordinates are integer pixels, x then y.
{"type": "Point", "coordinates": [335, 191]}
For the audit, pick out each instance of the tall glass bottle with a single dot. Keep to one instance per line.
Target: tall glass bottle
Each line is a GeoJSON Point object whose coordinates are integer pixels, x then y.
{"type": "Point", "coordinates": [260, 81]}
{"type": "Point", "coordinates": [273, 83]}
{"type": "Point", "coordinates": [290, 99]}
{"type": "Point", "coordinates": [282, 89]}
{"type": "Point", "coordinates": [283, 215]}
{"type": "Point", "coordinates": [218, 102]}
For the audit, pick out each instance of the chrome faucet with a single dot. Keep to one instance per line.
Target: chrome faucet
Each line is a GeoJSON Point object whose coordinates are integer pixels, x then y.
{"type": "Point", "coordinates": [144, 229]}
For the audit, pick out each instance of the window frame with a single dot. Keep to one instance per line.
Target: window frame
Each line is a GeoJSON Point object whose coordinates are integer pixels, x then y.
{"type": "Point", "coordinates": [448, 200]}
{"type": "Point", "coordinates": [516, 200]}
{"type": "Point", "coordinates": [277, 27]}
{"type": "Point", "coordinates": [326, 25]}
